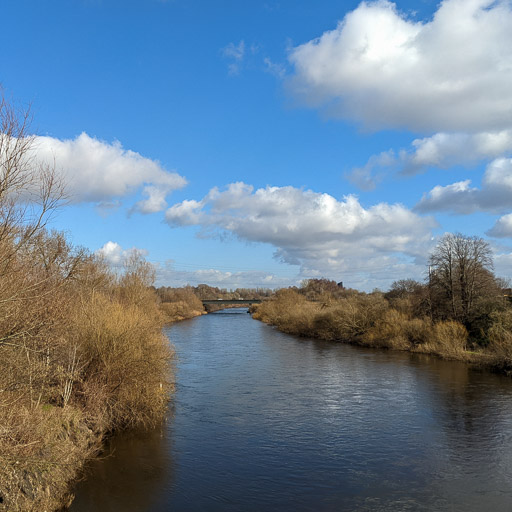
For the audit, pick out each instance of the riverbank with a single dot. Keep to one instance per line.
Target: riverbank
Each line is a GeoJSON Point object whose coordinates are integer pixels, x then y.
{"type": "Point", "coordinates": [82, 356]}
{"type": "Point", "coordinates": [103, 366]}
{"type": "Point", "coordinates": [369, 320]}
{"type": "Point", "coordinates": [267, 421]}
{"type": "Point", "coordinates": [177, 304]}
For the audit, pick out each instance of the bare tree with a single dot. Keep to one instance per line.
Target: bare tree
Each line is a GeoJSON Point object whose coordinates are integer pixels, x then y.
{"type": "Point", "coordinates": [461, 277]}
{"type": "Point", "coordinates": [29, 192]}
{"type": "Point", "coordinates": [29, 189]}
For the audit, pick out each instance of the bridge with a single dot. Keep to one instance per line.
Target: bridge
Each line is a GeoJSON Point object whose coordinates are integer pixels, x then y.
{"type": "Point", "coordinates": [222, 302]}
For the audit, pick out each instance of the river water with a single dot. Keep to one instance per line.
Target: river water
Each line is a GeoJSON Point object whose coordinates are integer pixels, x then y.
{"type": "Point", "coordinates": [264, 421]}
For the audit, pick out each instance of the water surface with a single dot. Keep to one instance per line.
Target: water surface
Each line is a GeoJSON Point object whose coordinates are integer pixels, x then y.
{"type": "Point", "coordinates": [264, 421]}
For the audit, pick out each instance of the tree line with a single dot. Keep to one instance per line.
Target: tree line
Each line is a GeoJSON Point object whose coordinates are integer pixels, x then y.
{"type": "Point", "coordinates": [461, 310]}
{"type": "Point", "coordinates": [185, 302]}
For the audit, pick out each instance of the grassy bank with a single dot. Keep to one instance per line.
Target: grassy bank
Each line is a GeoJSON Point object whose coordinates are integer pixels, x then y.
{"type": "Point", "coordinates": [178, 304]}
{"type": "Point", "coordinates": [81, 348]}
{"type": "Point", "coordinates": [81, 355]}
{"type": "Point", "coordinates": [376, 321]}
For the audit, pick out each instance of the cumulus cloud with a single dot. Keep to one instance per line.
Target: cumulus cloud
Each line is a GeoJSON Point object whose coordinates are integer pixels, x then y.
{"type": "Point", "coordinates": [308, 228]}
{"type": "Point", "coordinates": [458, 197]}
{"type": "Point", "coordinates": [99, 172]}
{"type": "Point", "coordinates": [368, 176]}
{"type": "Point", "coordinates": [494, 195]}
{"type": "Point", "coordinates": [116, 256]}
{"type": "Point", "coordinates": [444, 150]}
{"type": "Point", "coordinates": [502, 228]}
{"type": "Point", "coordinates": [383, 69]}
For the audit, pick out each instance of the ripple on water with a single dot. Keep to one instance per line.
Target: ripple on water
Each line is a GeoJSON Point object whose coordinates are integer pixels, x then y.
{"type": "Point", "coordinates": [266, 421]}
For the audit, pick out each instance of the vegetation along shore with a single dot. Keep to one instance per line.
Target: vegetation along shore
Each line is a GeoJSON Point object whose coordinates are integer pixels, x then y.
{"type": "Point", "coordinates": [82, 352]}
{"type": "Point", "coordinates": [462, 311]}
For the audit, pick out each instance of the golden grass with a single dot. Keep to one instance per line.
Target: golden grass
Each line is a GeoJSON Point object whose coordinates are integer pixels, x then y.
{"type": "Point", "coordinates": [81, 354]}
{"type": "Point", "coordinates": [366, 319]}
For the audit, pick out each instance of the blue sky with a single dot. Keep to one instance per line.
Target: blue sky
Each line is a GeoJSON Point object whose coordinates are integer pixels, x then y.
{"type": "Point", "coordinates": [260, 143]}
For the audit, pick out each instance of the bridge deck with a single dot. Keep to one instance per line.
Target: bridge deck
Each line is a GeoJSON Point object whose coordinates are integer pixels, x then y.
{"type": "Point", "coordinates": [233, 301]}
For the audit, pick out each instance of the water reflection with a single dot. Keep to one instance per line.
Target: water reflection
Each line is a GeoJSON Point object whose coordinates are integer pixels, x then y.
{"type": "Point", "coordinates": [131, 471]}
{"type": "Point", "coordinates": [266, 421]}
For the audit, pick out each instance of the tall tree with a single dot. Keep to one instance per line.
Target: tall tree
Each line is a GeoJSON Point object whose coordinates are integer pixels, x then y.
{"type": "Point", "coordinates": [461, 277]}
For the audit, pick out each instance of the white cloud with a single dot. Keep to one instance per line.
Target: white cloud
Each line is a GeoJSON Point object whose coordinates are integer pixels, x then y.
{"type": "Point", "coordinates": [315, 230]}
{"type": "Point", "coordinates": [502, 228]}
{"type": "Point", "coordinates": [169, 275]}
{"type": "Point", "coordinates": [380, 272]}
{"type": "Point", "coordinates": [495, 194]}
{"type": "Point", "coordinates": [233, 51]}
{"type": "Point", "coordinates": [236, 54]}
{"type": "Point", "coordinates": [368, 176]}
{"type": "Point", "coordinates": [186, 213]}
{"type": "Point", "coordinates": [111, 252]}
{"type": "Point", "coordinates": [116, 256]}
{"type": "Point", "coordinates": [382, 69]}
{"type": "Point", "coordinates": [444, 150]}
{"type": "Point", "coordinates": [458, 197]}
{"type": "Point", "coordinates": [99, 172]}
{"type": "Point", "coordinates": [503, 264]}
{"type": "Point", "coordinates": [274, 68]}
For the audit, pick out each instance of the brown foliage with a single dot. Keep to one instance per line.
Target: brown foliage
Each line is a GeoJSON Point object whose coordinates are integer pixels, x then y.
{"type": "Point", "coordinates": [41, 449]}
{"type": "Point", "coordinates": [288, 310]}
{"type": "Point", "coordinates": [365, 319]}
{"type": "Point", "coordinates": [81, 353]}
{"type": "Point", "coordinates": [448, 340]}
{"type": "Point", "coordinates": [500, 339]}
{"type": "Point", "coordinates": [179, 303]}
{"type": "Point", "coordinates": [81, 349]}
{"type": "Point", "coordinates": [124, 359]}
{"type": "Point", "coordinates": [343, 319]}
{"type": "Point", "coordinates": [396, 330]}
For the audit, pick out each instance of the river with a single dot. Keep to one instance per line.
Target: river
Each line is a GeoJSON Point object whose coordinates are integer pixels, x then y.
{"type": "Point", "coordinates": [264, 421]}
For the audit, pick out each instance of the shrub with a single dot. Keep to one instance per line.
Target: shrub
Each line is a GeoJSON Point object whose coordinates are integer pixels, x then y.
{"type": "Point", "coordinates": [179, 304]}
{"type": "Point", "coordinates": [351, 317]}
{"type": "Point", "coordinates": [81, 350]}
{"type": "Point", "coordinates": [449, 340]}
{"type": "Point", "coordinates": [345, 319]}
{"type": "Point", "coordinates": [280, 308]}
{"type": "Point", "coordinates": [126, 361]}
{"type": "Point", "coordinates": [41, 449]}
{"type": "Point", "coordinates": [388, 331]}
{"type": "Point", "coordinates": [81, 353]}
{"type": "Point", "coordinates": [500, 337]}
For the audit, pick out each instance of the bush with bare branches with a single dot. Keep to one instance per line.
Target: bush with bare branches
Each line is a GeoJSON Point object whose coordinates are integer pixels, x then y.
{"type": "Point", "coordinates": [81, 348]}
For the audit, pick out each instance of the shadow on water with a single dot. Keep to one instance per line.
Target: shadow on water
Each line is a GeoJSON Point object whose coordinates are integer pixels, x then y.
{"type": "Point", "coordinates": [130, 471]}
{"type": "Point", "coordinates": [268, 421]}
